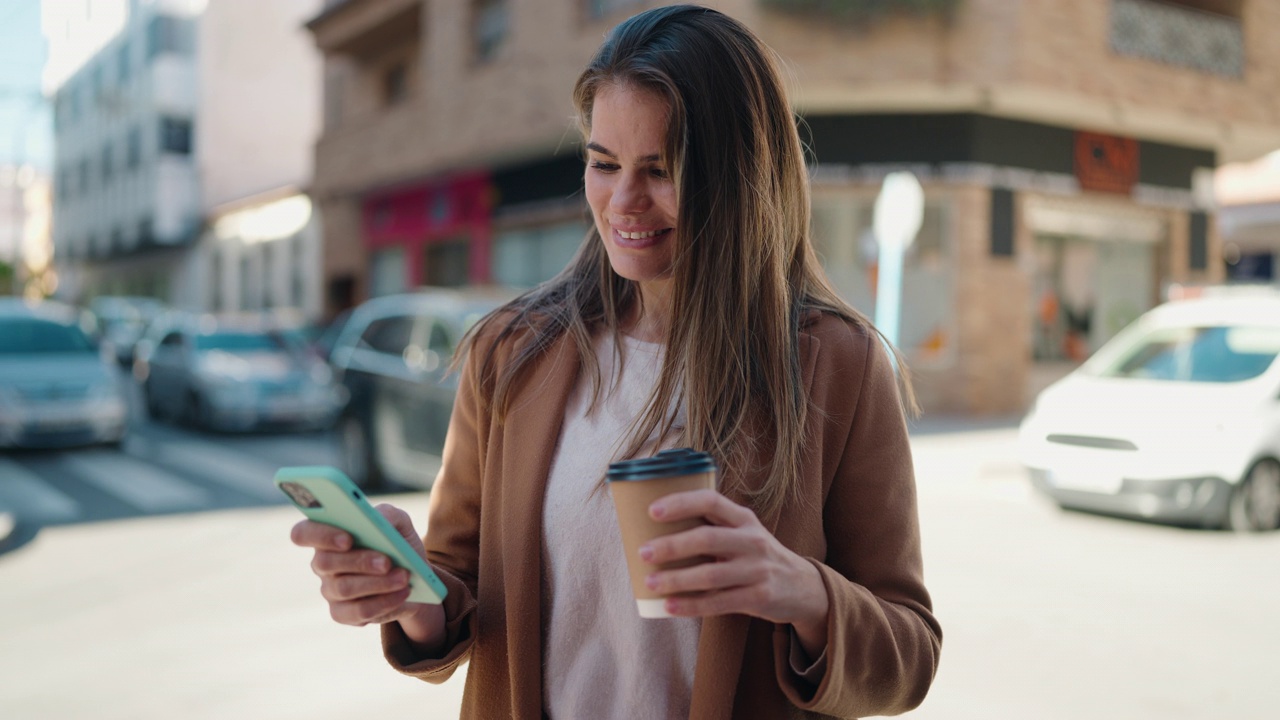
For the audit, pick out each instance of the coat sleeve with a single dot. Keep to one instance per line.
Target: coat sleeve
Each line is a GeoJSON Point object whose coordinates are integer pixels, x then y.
{"type": "Point", "coordinates": [452, 536]}
{"type": "Point", "coordinates": [883, 641]}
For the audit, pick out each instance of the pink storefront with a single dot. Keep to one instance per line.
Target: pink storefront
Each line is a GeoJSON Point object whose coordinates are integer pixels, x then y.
{"type": "Point", "coordinates": [437, 232]}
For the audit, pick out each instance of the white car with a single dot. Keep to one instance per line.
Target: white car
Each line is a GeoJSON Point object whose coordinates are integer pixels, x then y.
{"type": "Point", "coordinates": [1176, 419]}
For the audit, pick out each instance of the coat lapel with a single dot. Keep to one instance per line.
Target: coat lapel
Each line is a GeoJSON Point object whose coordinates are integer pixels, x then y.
{"type": "Point", "coordinates": [530, 437]}
{"type": "Point", "coordinates": [723, 641]}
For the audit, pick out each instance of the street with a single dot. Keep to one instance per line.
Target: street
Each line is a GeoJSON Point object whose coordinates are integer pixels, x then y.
{"type": "Point", "coordinates": [197, 606]}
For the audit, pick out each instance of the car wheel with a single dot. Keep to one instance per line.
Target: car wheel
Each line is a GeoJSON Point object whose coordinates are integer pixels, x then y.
{"type": "Point", "coordinates": [1255, 502]}
{"type": "Point", "coordinates": [357, 453]}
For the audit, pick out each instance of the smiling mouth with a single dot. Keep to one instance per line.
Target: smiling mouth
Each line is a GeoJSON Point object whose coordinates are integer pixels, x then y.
{"type": "Point", "coordinates": [640, 240]}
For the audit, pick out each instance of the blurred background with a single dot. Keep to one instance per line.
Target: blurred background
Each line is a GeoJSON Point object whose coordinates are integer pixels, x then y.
{"type": "Point", "coordinates": [240, 234]}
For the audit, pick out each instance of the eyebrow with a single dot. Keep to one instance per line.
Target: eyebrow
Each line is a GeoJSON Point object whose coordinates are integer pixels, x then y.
{"type": "Point", "coordinates": [597, 147]}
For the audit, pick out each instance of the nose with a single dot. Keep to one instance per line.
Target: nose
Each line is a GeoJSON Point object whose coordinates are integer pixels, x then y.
{"type": "Point", "coordinates": [630, 195]}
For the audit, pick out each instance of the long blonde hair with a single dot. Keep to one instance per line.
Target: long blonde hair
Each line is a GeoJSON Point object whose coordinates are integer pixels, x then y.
{"type": "Point", "coordinates": [744, 270]}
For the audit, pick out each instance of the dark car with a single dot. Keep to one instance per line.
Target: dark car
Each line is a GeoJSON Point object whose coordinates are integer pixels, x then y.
{"type": "Point", "coordinates": [392, 357]}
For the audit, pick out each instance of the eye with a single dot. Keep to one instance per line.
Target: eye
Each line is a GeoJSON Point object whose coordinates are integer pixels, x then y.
{"type": "Point", "coordinates": [603, 166]}
{"type": "Point", "coordinates": [659, 173]}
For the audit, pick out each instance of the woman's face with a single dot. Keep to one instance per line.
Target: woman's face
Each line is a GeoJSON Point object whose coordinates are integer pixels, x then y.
{"type": "Point", "coordinates": [630, 191]}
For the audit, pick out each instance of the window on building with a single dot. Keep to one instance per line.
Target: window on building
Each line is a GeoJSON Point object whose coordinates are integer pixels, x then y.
{"type": "Point", "coordinates": [1203, 35]}
{"type": "Point", "coordinates": [446, 263]}
{"type": "Point", "coordinates": [84, 176]}
{"type": "Point", "coordinates": [170, 35]}
{"type": "Point", "coordinates": [97, 82]}
{"type": "Point", "coordinates": [175, 136]}
{"type": "Point", "coordinates": [845, 242]}
{"type": "Point", "coordinates": [133, 148]}
{"type": "Point", "coordinates": [108, 162]}
{"type": "Point", "coordinates": [528, 256]}
{"type": "Point", "coordinates": [124, 66]}
{"type": "Point", "coordinates": [395, 83]}
{"type": "Point", "coordinates": [597, 9]}
{"type": "Point", "coordinates": [387, 272]}
{"type": "Point", "coordinates": [490, 20]}
{"type": "Point", "coordinates": [146, 232]}
{"type": "Point", "coordinates": [73, 103]}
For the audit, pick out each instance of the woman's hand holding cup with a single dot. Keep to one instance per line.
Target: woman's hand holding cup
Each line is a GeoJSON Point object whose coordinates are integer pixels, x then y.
{"type": "Point", "coordinates": [751, 573]}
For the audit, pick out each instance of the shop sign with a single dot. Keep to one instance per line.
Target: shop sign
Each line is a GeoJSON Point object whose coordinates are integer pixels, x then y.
{"type": "Point", "coordinates": [1106, 163]}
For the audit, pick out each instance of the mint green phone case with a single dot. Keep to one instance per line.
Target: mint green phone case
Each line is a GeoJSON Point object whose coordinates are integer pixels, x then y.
{"type": "Point", "coordinates": [327, 496]}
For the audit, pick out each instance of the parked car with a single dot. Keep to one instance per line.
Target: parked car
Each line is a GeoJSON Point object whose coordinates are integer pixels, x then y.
{"type": "Point", "coordinates": [392, 356]}
{"type": "Point", "coordinates": [56, 387]}
{"type": "Point", "coordinates": [122, 320]}
{"type": "Point", "coordinates": [232, 374]}
{"type": "Point", "coordinates": [1175, 419]}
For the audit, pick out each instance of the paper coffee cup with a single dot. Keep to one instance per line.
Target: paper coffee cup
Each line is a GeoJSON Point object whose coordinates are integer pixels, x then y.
{"type": "Point", "coordinates": [635, 485]}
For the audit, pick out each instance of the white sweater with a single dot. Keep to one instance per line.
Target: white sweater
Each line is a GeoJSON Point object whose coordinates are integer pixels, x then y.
{"type": "Point", "coordinates": [601, 660]}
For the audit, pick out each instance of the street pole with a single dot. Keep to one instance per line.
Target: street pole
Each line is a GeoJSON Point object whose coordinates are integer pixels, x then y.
{"type": "Point", "coordinates": [899, 211]}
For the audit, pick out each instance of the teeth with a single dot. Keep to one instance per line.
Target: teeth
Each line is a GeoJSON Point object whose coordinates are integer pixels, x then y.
{"type": "Point", "coordinates": [639, 235]}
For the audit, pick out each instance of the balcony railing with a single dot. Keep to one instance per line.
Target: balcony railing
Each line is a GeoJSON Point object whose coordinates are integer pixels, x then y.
{"type": "Point", "coordinates": [1177, 35]}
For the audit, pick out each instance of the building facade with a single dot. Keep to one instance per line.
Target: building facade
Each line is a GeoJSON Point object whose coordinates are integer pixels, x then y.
{"type": "Point", "coordinates": [259, 100]}
{"type": "Point", "coordinates": [1066, 151]}
{"type": "Point", "coordinates": [126, 200]}
{"type": "Point", "coordinates": [183, 151]}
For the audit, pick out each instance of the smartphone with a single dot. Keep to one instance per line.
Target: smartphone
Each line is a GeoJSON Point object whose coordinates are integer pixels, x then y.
{"type": "Point", "coordinates": [327, 496]}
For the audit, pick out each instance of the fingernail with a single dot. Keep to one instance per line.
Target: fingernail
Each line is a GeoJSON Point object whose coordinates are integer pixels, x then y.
{"type": "Point", "coordinates": [657, 510]}
{"type": "Point", "coordinates": [646, 553]}
{"type": "Point", "coordinates": [343, 542]}
{"type": "Point", "coordinates": [380, 564]}
{"type": "Point", "coordinates": [651, 582]}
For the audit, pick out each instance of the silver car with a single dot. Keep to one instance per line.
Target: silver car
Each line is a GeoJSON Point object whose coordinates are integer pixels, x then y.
{"type": "Point", "coordinates": [232, 376]}
{"type": "Point", "coordinates": [56, 388]}
{"type": "Point", "coordinates": [393, 355]}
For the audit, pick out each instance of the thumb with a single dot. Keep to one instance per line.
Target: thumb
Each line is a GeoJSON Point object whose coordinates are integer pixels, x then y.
{"type": "Point", "coordinates": [401, 521]}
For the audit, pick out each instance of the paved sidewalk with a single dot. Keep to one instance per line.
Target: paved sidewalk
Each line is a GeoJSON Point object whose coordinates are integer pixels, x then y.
{"type": "Point", "coordinates": [205, 616]}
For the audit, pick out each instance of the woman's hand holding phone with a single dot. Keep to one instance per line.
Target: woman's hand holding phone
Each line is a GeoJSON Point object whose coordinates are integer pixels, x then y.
{"type": "Point", "coordinates": [364, 586]}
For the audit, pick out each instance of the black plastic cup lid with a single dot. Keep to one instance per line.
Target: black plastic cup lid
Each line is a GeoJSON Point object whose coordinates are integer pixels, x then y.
{"type": "Point", "coordinates": [667, 463]}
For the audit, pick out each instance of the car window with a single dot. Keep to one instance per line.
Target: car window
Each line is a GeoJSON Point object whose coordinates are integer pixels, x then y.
{"type": "Point", "coordinates": [1215, 354]}
{"type": "Point", "coordinates": [388, 335]}
{"type": "Point", "coordinates": [439, 340]}
{"type": "Point", "coordinates": [31, 336]}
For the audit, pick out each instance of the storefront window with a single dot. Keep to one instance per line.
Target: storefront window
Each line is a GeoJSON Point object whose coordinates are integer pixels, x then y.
{"type": "Point", "coordinates": [843, 236]}
{"type": "Point", "coordinates": [528, 256]}
{"type": "Point", "coordinates": [1086, 290]}
{"type": "Point", "coordinates": [387, 272]}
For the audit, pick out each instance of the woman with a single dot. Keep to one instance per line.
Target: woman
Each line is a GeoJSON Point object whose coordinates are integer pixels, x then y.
{"type": "Point", "coordinates": [695, 314]}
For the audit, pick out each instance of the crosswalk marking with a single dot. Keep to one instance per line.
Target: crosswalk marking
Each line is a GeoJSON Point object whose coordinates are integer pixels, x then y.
{"type": "Point", "coordinates": [144, 486]}
{"type": "Point", "coordinates": [25, 494]}
{"type": "Point", "coordinates": [242, 473]}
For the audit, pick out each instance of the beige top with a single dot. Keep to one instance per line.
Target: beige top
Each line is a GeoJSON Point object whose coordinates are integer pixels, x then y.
{"type": "Point", "coordinates": [601, 659]}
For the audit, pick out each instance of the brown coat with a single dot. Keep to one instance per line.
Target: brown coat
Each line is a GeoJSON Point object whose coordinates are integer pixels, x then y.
{"type": "Point", "coordinates": [857, 523]}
